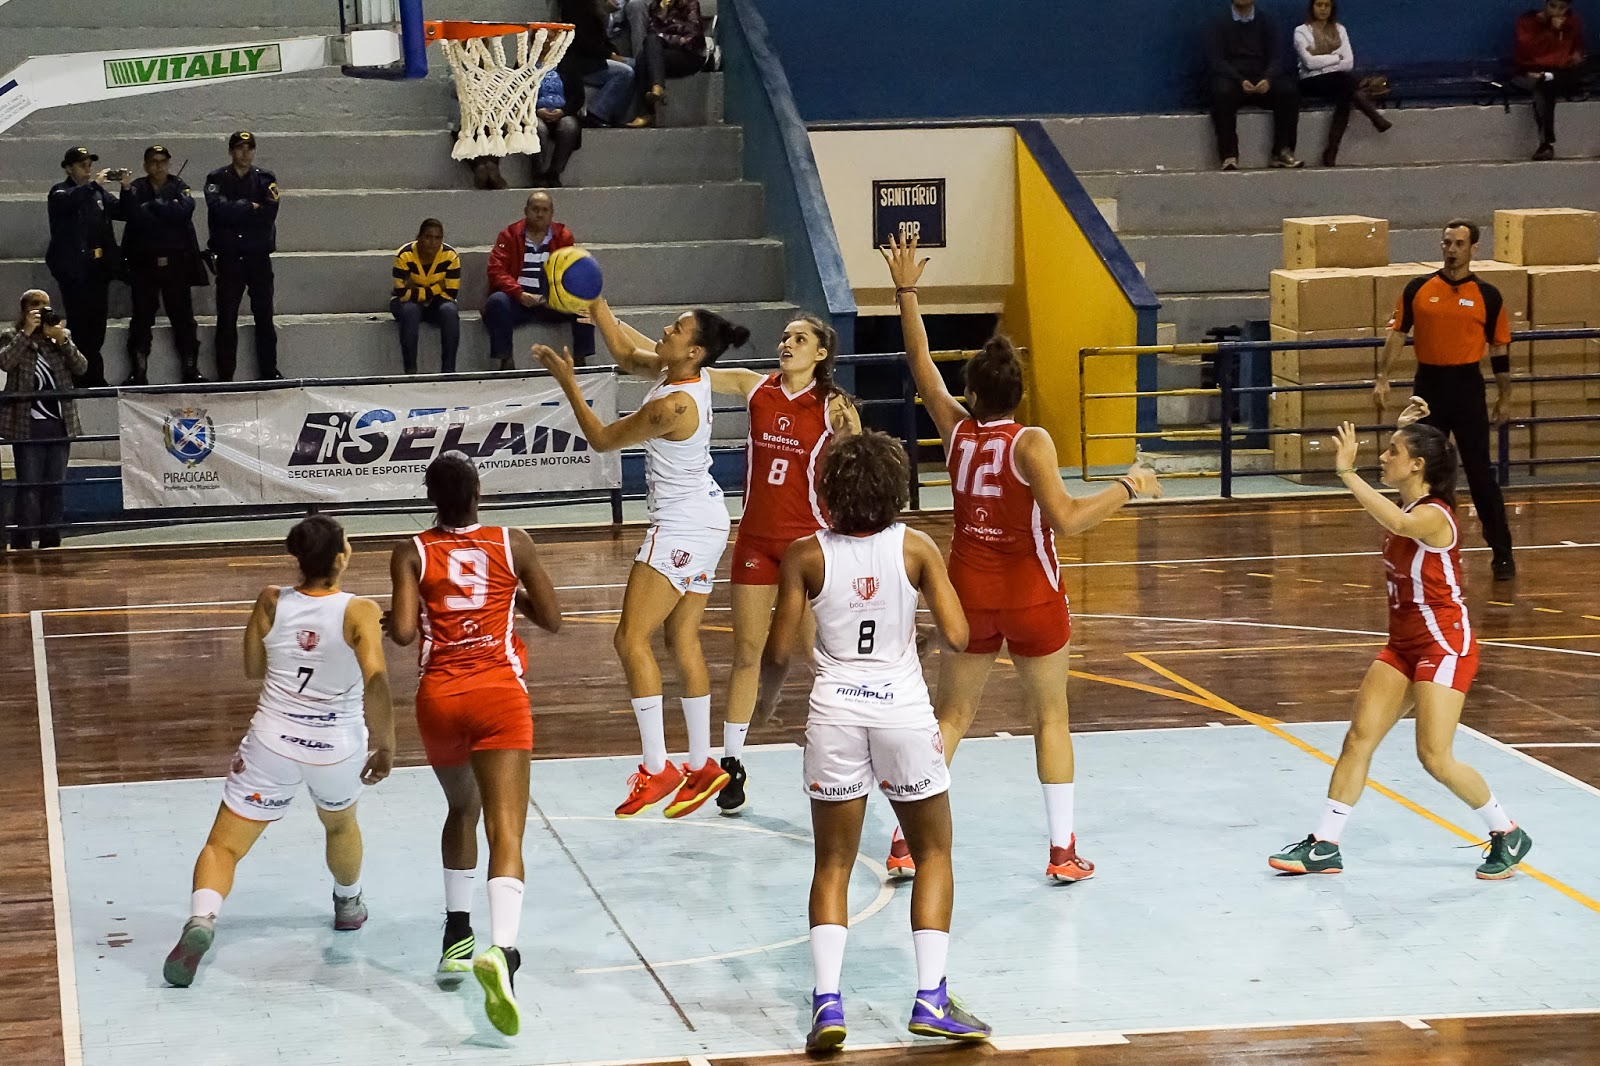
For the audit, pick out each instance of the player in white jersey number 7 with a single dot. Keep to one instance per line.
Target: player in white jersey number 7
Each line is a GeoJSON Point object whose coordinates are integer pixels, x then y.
{"type": "Point", "coordinates": [870, 721]}
{"type": "Point", "coordinates": [672, 575]}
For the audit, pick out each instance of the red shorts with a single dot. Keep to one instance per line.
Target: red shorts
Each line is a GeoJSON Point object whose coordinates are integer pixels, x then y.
{"type": "Point", "coordinates": [1428, 660]}
{"type": "Point", "coordinates": [756, 558]}
{"type": "Point", "coordinates": [1030, 632]}
{"type": "Point", "coordinates": [457, 719]}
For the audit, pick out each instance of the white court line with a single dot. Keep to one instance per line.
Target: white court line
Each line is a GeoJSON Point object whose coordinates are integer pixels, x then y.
{"type": "Point", "coordinates": [1530, 760]}
{"type": "Point", "coordinates": [1304, 555]}
{"type": "Point", "coordinates": [61, 903]}
{"type": "Point", "coordinates": [1575, 744]}
{"type": "Point", "coordinates": [1415, 1023]}
{"type": "Point", "coordinates": [1485, 641]}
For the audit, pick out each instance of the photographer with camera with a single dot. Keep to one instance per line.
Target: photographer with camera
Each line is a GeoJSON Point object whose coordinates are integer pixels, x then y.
{"type": "Point", "coordinates": [83, 256]}
{"type": "Point", "coordinates": [162, 254]}
{"type": "Point", "coordinates": [38, 355]}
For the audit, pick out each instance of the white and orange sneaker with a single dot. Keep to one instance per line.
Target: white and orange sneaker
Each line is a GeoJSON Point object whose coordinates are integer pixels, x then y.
{"type": "Point", "coordinates": [1066, 866]}
{"type": "Point", "coordinates": [698, 786]}
{"type": "Point", "coordinates": [646, 789]}
{"type": "Point", "coordinates": [900, 864]}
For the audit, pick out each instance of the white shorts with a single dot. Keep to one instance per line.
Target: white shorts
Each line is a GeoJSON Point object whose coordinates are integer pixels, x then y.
{"type": "Point", "coordinates": [261, 783]}
{"type": "Point", "coordinates": [687, 556]}
{"type": "Point", "coordinates": [843, 762]}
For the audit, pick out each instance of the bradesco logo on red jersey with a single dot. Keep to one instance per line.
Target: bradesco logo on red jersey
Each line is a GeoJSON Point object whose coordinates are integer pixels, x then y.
{"type": "Point", "coordinates": [344, 443]}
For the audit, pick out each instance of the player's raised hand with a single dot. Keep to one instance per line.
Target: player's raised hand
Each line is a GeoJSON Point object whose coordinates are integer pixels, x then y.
{"type": "Point", "coordinates": [1416, 410]}
{"type": "Point", "coordinates": [1345, 443]}
{"type": "Point", "coordinates": [904, 266]}
{"type": "Point", "coordinates": [1145, 483]}
{"type": "Point", "coordinates": [559, 363]}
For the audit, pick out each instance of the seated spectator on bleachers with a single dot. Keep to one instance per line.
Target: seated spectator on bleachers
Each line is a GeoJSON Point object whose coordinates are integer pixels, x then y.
{"type": "Point", "coordinates": [427, 281]}
{"type": "Point", "coordinates": [1327, 66]}
{"type": "Point", "coordinates": [517, 282]}
{"type": "Point", "coordinates": [37, 355]}
{"type": "Point", "coordinates": [674, 47]}
{"type": "Point", "coordinates": [560, 133]}
{"type": "Point", "coordinates": [626, 26]}
{"type": "Point", "coordinates": [591, 63]}
{"type": "Point", "coordinates": [1245, 65]}
{"type": "Point", "coordinates": [1549, 59]}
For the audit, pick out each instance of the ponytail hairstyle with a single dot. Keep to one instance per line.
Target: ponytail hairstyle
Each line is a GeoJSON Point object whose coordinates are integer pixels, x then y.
{"type": "Point", "coordinates": [1439, 461]}
{"type": "Point", "coordinates": [994, 378]}
{"type": "Point", "coordinates": [716, 334]}
{"type": "Point", "coordinates": [315, 542]}
{"type": "Point", "coordinates": [865, 482]}
{"type": "Point", "coordinates": [452, 483]}
{"type": "Point", "coordinates": [828, 341]}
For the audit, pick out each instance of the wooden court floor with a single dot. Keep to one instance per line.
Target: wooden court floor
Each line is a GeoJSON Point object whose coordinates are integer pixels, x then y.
{"type": "Point", "coordinates": [1186, 614]}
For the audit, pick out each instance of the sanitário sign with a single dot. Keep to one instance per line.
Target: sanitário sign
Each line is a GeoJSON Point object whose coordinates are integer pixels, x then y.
{"type": "Point", "coordinates": [192, 66]}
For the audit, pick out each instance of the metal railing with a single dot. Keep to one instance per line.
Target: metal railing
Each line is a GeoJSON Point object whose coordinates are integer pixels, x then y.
{"type": "Point", "coordinates": [1232, 429]}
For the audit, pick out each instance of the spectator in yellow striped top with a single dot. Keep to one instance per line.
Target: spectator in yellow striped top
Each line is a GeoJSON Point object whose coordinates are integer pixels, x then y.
{"type": "Point", "coordinates": [427, 281]}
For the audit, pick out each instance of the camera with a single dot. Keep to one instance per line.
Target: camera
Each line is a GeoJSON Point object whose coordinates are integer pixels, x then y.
{"type": "Point", "coordinates": [49, 316]}
{"type": "Point", "coordinates": [118, 173]}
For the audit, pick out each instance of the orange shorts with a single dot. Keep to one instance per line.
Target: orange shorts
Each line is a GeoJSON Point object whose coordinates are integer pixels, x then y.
{"type": "Point", "coordinates": [458, 719]}
{"type": "Point", "coordinates": [756, 559]}
{"type": "Point", "coordinates": [1030, 632]}
{"type": "Point", "coordinates": [1428, 660]}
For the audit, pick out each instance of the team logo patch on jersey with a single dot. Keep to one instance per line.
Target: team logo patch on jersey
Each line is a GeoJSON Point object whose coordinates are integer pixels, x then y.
{"type": "Point", "coordinates": [981, 514]}
{"type": "Point", "coordinates": [938, 742]}
{"type": "Point", "coordinates": [680, 558]}
{"type": "Point", "coordinates": [190, 435]}
{"type": "Point", "coordinates": [866, 587]}
{"type": "Point", "coordinates": [307, 639]}
{"type": "Point", "coordinates": [784, 422]}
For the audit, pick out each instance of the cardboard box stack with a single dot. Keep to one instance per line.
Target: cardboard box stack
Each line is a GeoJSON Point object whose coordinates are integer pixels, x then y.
{"type": "Point", "coordinates": [1335, 241]}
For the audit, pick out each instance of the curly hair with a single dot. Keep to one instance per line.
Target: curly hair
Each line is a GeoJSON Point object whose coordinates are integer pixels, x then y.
{"type": "Point", "coordinates": [452, 483]}
{"type": "Point", "coordinates": [865, 482]}
{"type": "Point", "coordinates": [994, 377]}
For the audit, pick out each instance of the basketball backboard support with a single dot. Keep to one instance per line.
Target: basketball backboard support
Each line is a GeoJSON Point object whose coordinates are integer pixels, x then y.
{"type": "Point", "coordinates": [382, 39]}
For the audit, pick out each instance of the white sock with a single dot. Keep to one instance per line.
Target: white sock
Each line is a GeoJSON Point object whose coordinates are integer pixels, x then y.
{"type": "Point", "coordinates": [1334, 815]}
{"type": "Point", "coordinates": [733, 734]}
{"type": "Point", "coordinates": [1494, 817]}
{"type": "Point", "coordinates": [652, 733]}
{"type": "Point", "coordinates": [697, 717]}
{"type": "Point", "coordinates": [505, 911]}
{"type": "Point", "coordinates": [347, 891]}
{"type": "Point", "coordinates": [205, 903]}
{"type": "Point", "coordinates": [1058, 814]}
{"type": "Point", "coordinates": [827, 955]}
{"type": "Point", "coordinates": [458, 889]}
{"type": "Point", "coordinates": [932, 947]}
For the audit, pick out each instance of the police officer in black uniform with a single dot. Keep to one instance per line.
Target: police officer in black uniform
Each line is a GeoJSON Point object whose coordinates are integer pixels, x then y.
{"type": "Point", "coordinates": [242, 212]}
{"type": "Point", "coordinates": [162, 256]}
{"type": "Point", "coordinates": [83, 255]}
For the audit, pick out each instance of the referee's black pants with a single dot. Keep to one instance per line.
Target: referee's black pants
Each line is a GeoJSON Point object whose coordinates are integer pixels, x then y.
{"type": "Point", "coordinates": [1457, 399]}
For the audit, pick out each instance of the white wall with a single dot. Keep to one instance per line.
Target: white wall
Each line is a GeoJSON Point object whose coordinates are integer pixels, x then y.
{"type": "Point", "coordinates": [979, 168]}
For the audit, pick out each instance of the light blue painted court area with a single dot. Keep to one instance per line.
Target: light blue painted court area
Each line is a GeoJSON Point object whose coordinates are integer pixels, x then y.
{"type": "Point", "coordinates": [1183, 925]}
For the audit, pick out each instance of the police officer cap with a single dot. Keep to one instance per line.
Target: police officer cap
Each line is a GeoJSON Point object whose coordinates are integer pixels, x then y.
{"type": "Point", "coordinates": [156, 150]}
{"type": "Point", "coordinates": [242, 137]}
{"type": "Point", "coordinates": [78, 155]}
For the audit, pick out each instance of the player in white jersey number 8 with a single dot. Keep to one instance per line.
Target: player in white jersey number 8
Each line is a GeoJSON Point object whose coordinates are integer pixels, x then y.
{"type": "Point", "coordinates": [319, 653]}
{"type": "Point", "coordinates": [870, 720]}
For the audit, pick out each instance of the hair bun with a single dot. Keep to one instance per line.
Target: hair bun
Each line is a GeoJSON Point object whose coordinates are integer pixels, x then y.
{"type": "Point", "coordinates": [999, 349]}
{"type": "Point", "coordinates": [737, 335]}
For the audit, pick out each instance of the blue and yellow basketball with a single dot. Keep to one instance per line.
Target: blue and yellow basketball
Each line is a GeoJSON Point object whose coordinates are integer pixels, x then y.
{"type": "Point", "coordinates": [575, 280]}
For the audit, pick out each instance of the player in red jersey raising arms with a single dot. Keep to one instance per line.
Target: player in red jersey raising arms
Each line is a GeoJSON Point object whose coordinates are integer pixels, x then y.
{"type": "Point", "coordinates": [1009, 507]}
{"type": "Point", "coordinates": [460, 585]}
{"type": "Point", "coordinates": [673, 572]}
{"type": "Point", "coordinates": [318, 653]}
{"type": "Point", "coordinates": [794, 413]}
{"type": "Point", "coordinates": [1432, 654]}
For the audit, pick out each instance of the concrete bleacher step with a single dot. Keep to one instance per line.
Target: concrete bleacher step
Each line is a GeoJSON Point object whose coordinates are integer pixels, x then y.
{"type": "Point", "coordinates": [1191, 314]}
{"type": "Point", "coordinates": [1420, 135]}
{"type": "Point", "coordinates": [412, 159]}
{"type": "Point", "coordinates": [1234, 262]}
{"type": "Point", "coordinates": [314, 220]}
{"type": "Point", "coordinates": [320, 101]}
{"type": "Point", "coordinates": [1410, 197]}
{"type": "Point", "coordinates": [681, 272]}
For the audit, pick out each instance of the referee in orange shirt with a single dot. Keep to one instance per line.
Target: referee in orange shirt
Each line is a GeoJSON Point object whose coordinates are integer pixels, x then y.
{"type": "Point", "coordinates": [1454, 318]}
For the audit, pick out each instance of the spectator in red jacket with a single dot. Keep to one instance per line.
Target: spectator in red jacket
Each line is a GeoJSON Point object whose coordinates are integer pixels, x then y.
{"type": "Point", "coordinates": [517, 282]}
{"type": "Point", "coordinates": [1549, 60]}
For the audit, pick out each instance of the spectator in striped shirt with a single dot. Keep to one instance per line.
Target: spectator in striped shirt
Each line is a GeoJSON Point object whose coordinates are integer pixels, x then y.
{"type": "Point", "coordinates": [427, 281]}
{"type": "Point", "coordinates": [517, 282]}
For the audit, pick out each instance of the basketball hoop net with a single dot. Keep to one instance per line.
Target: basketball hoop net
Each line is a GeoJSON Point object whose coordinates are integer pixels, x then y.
{"type": "Point", "coordinates": [498, 100]}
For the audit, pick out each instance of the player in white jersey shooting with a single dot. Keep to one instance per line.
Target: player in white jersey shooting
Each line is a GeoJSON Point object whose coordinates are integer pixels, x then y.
{"type": "Point", "coordinates": [871, 721]}
{"type": "Point", "coordinates": [319, 655]}
{"type": "Point", "coordinates": [672, 575]}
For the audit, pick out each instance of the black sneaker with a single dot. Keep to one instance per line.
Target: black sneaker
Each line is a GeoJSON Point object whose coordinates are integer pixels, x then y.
{"type": "Point", "coordinates": [1505, 568]}
{"type": "Point", "coordinates": [1544, 153]}
{"type": "Point", "coordinates": [730, 800]}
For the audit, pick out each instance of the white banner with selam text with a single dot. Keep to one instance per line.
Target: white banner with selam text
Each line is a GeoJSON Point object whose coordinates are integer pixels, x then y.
{"type": "Point", "coordinates": [354, 443]}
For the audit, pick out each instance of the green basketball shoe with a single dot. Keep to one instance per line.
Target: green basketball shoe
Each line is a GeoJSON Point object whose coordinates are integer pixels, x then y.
{"type": "Point", "coordinates": [1310, 856]}
{"type": "Point", "coordinates": [1506, 850]}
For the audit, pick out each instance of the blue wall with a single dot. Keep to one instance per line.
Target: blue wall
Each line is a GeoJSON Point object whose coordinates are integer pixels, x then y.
{"type": "Point", "coordinates": [878, 59]}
